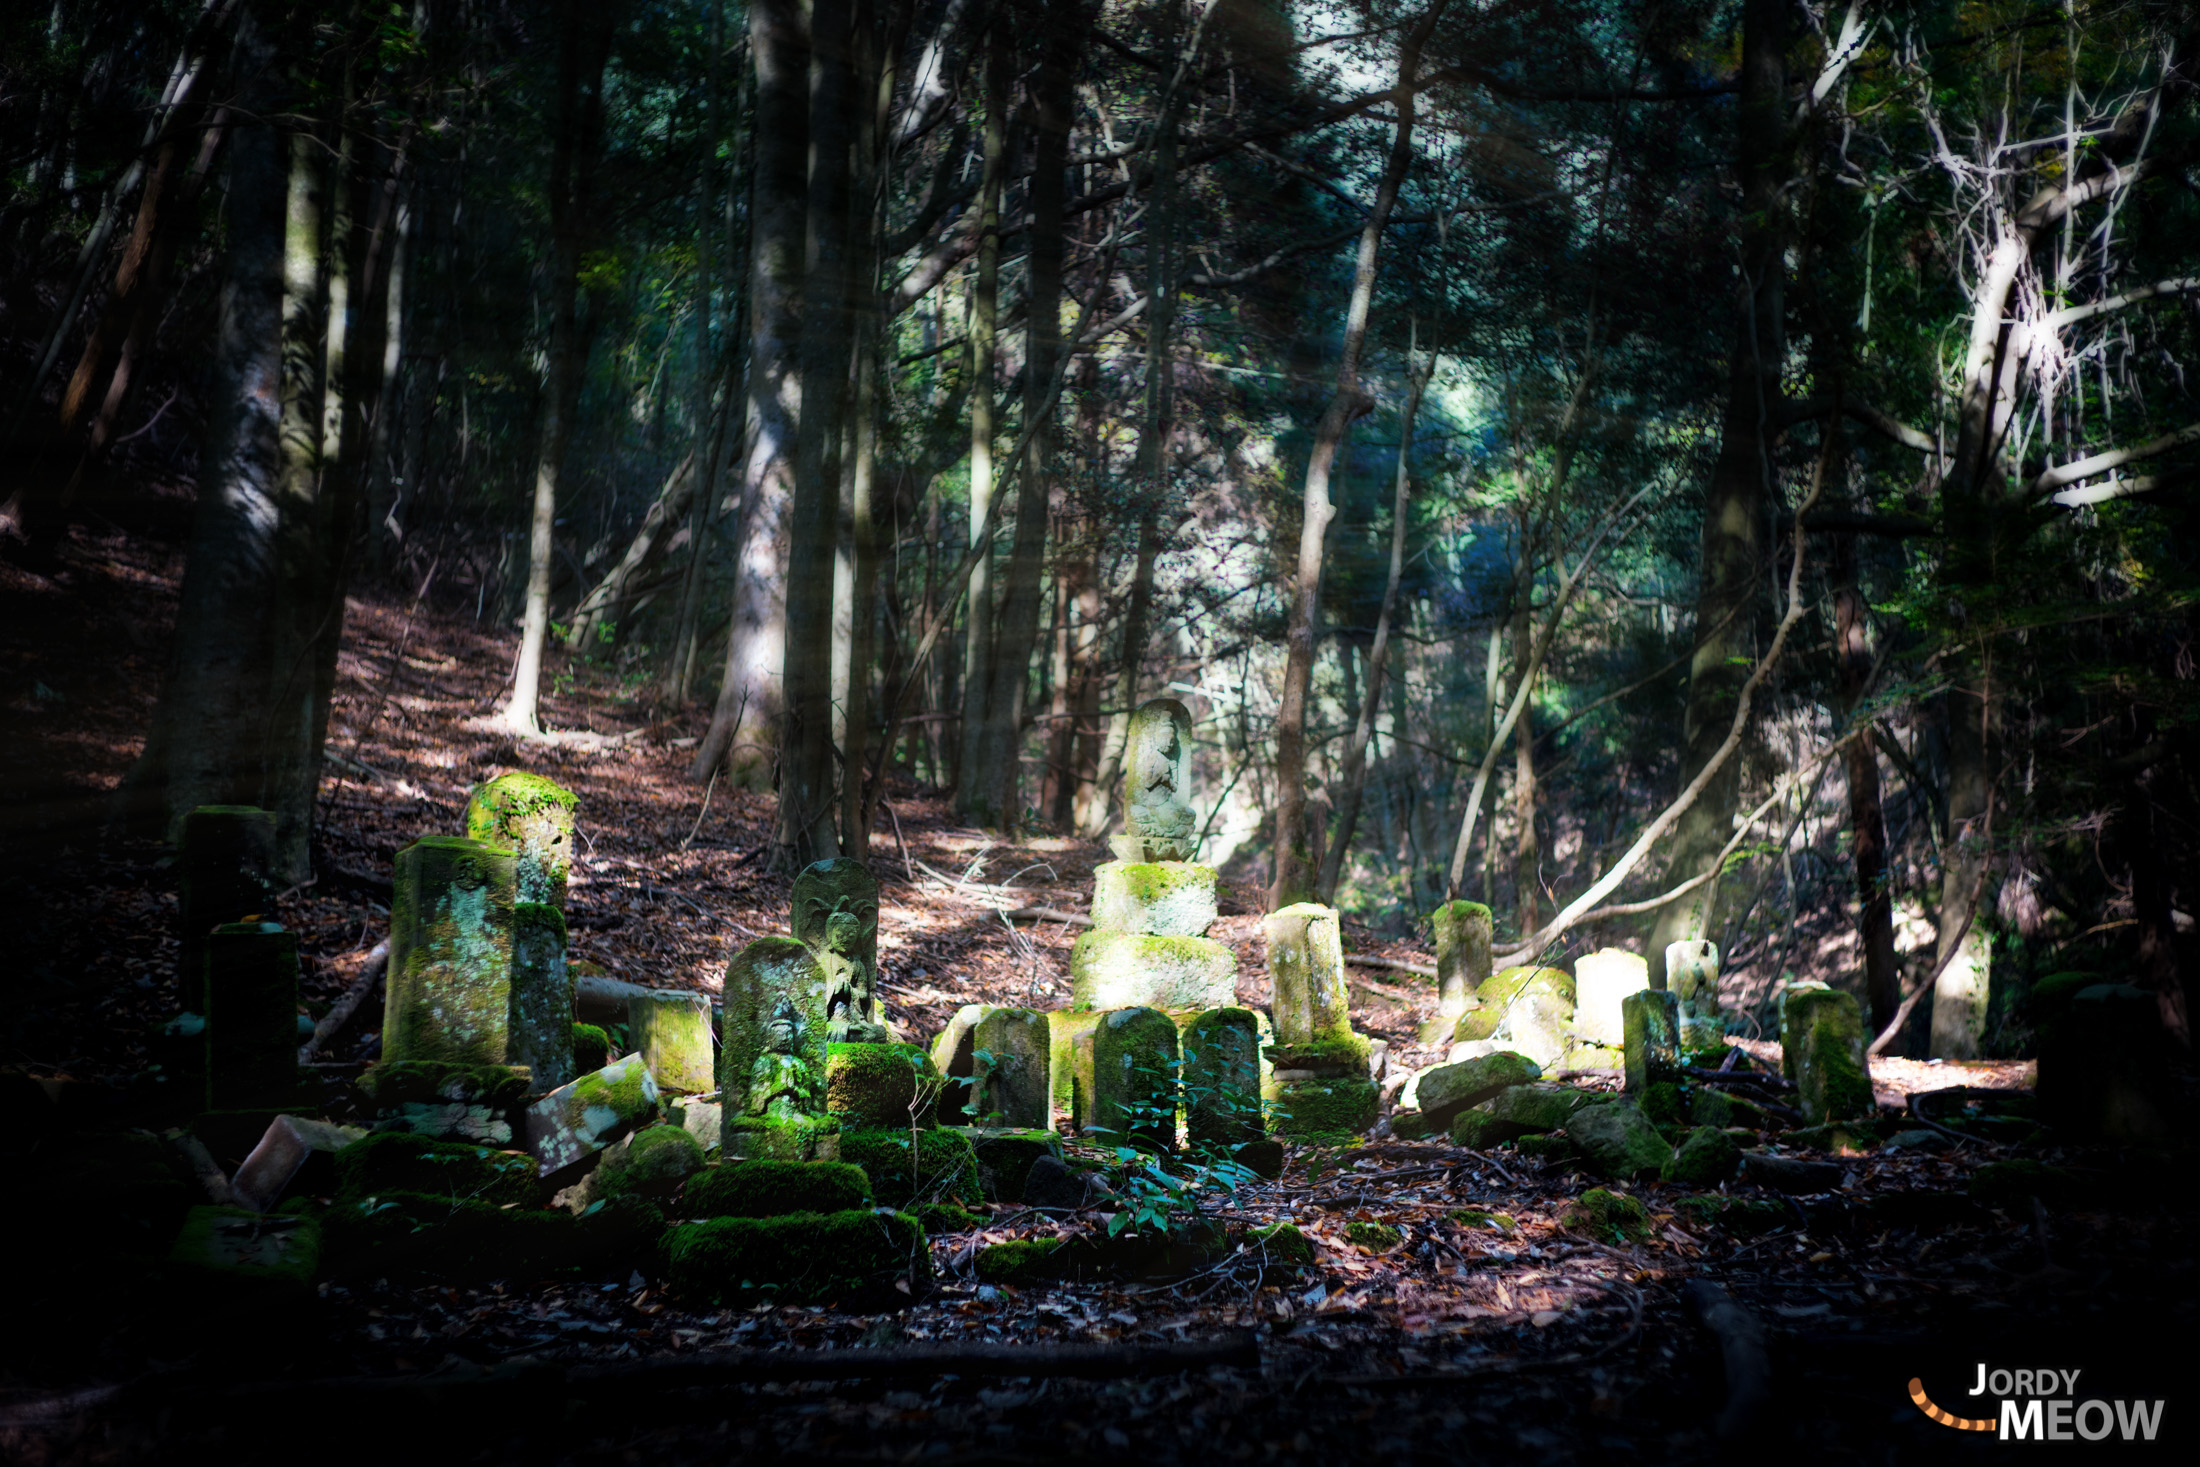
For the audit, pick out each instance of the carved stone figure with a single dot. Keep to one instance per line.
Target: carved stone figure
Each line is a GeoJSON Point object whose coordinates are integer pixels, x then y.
{"type": "Point", "coordinates": [836, 917]}
{"type": "Point", "coordinates": [782, 1085]}
{"type": "Point", "coordinates": [1158, 822]}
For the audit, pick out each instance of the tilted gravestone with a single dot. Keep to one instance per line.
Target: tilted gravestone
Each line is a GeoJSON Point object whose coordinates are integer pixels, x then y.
{"type": "Point", "coordinates": [1463, 931]}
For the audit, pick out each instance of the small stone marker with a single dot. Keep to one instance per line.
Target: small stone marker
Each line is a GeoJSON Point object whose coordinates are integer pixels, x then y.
{"type": "Point", "coordinates": [952, 1051]}
{"type": "Point", "coordinates": [1962, 996]}
{"type": "Point", "coordinates": [1068, 1101]}
{"type": "Point", "coordinates": [1692, 974]}
{"type": "Point", "coordinates": [836, 918]}
{"type": "Point", "coordinates": [574, 1122]}
{"type": "Point", "coordinates": [541, 1018]}
{"type": "Point", "coordinates": [670, 1030]}
{"type": "Point", "coordinates": [1134, 1078]}
{"type": "Point", "coordinates": [533, 818]}
{"type": "Point", "coordinates": [2106, 1067]}
{"type": "Point", "coordinates": [1011, 1061]}
{"type": "Point", "coordinates": [1442, 1091]}
{"type": "Point", "coordinates": [769, 973]}
{"type": "Point", "coordinates": [224, 874]}
{"type": "Point", "coordinates": [1221, 1049]}
{"type": "Point", "coordinates": [1463, 931]}
{"type": "Point", "coordinates": [449, 990]}
{"type": "Point", "coordinates": [281, 1158]}
{"type": "Point", "coordinates": [1306, 967]}
{"type": "Point", "coordinates": [251, 1016]}
{"type": "Point", "coordinates": [1160, 898]}
{"type": "Point", "coordinates": [1158, 821]}
{"type": "Point", "coordinates": [1651, 1019]}
{"type": "Point", "coordinates": [1831, 1076]}
{"type": "Point", "coordinates": [1601, 980]}
{"type": "Point", "coordinates": [1791, 1044]}
{"type": "Point", "coordinates": [1618, 1141]}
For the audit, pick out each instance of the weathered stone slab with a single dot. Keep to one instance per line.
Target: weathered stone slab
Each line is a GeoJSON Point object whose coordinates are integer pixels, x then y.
{"type": "Point", "coordinates": [1463, 931]}
{"type": "Point", "coordinates": [1306, 969]}
{"type": "Point", "coordinates": [432, 1098]}
{"type": "Point", "coordinates": [393, 1161]}
{"type": "Point", "coordinates": [577, 1120]}
{"type": "Point", "coordinates": [1160, 898]}
{"type": "Point", "coordinates": [251, 1016]}
{"type": "Point", "coordinates": [449, 990]}
{"type": "Point", "coordinates": [1134, 1077]}
{"type": "Point", "coordinates": [1068, 1101]}
{"type": "Point", "coordinates": [533, 818]}
{"type": "Point", "coordinates": [1159, 823]}
{"type": "Point", "coordinates": [1113, 970]}
{"type": "Point", "coordinates": [1652, 1023]}
{"type": "Point", "coordinates": [1528, 1010]}
{"type": "Point", "coordinates": [670, 1030]}
{"type": "Point", "coordinates": [1322, 1107]}
{"type": "Point", "coordinates": [282, 1158]}
{"type": "Point", "coordinates": [541, 1018]}
{"type": "Point", "coordinates": [1222, 1102]}
{"type": "Point", "coordinates": [1832, 1080]}
{"type": "Point", "coordinates": [2106, 1066]}
{"type": "Point", "coordinates": [1011, 1058]}
{"type": "Point", "coordinates": [1601, 980]}
{"type": "Point", "coordinates": [1442, 1091]}
{"type": "Point", "coordinates": [1618, 1141]}
{"type": "Point", "coordinates": [224, 873]}
{"type": "Point", "coordinates": [1692, 974]}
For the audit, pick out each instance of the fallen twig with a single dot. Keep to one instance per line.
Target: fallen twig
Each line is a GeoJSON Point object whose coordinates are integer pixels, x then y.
{"type": "Point", "coordinates": [333, 1022]}
{"type": "Point", "coordinates": [1742, 1348]}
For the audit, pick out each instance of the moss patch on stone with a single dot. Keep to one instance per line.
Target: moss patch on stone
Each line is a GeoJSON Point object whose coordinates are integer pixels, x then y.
{"type": "Point", "coordinates": [1662, 1102]}
{"type": "Point", "coordinates": [1707, 1157]}
{"type": "Point", "coordinates": [1374, 1236]}
{"type": "Point", "coordinates": [650, 1163]}
{"type": "Point", "coordinates": [766, 1188]}
{"type": "Point", "coordinates": [591, 1048]}
{"type": "Point", "coordinates": [1826, 1028]}
{"type": "Point", "coordinates": [400, 1162]}
{"type": "Point", "coordinates": [846, 1258]}
{"type": "Point", "coordinates": [1606, 1215]}
{"type": "Point", "coordinates": [1488, 1005]}
{"type": "Point", "coordinates": [1334, 1056]}
{"type": "Point", "coordinates": [1619, 1141]}
{"type": "Point", "coordinates": [1282, 1242]}
{"type": "Point", "coordinates": [420, 1082]}
{"type": "Point", "coordinates": [946, 1217]}
{"type": "Point", "coordinates": [1482, 1217]}
{"type": "Point", "coordinates": [1311, 1108]}
{"type": "Point", "coordinates": [943, 1166]}
{"type": "Point", "coordinates": [880, 1084]}
{"type": "Point", "coordinates": [1019, 1261]}
{"type": "Point", "coordinates": [1548, 1147]}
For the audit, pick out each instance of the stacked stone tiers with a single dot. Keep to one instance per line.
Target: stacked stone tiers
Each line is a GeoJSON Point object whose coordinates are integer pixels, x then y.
{"type": "Point", "coordinates": [1148, 945]}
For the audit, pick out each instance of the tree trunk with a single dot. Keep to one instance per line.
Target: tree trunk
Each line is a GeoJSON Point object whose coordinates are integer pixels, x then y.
{"type": "Point", "coordinates": [1352, 780]}
{"type": "Point", "coordinates": [874, 94]}
{"type": "Point", "coordinates": [1527, 852]}
{"type": "Point", "coordinates": [1731, 571]}
{"type": "Point", "coordinates": [1294, 874]}
{"type": "Point", "coordinates": [1867, 821]}
{"type": "Point", "coordinates": [710, 420]}
{"type": "Point", "coordinates": [607, 599]}
{"type": "Point", "coordinates": [745, 731]}
{"type": "Point", "coordinates": [587, 46]}
{"type": "Point", "coordinates": [974, 784]}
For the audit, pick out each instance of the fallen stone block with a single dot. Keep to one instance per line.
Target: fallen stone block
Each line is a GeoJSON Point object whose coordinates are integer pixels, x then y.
{"type": "Point", "coordinates": [578, 1120]}
{"type": "Point", "coordinates": [288, 1154]}
{"type": "Point", "coordinates": [847, 1258]}
{"type": "Point", "coordinates": [652, 1162]}
{"type": "Point", "coordinates": [1442, 1091]}
{"type": "Point", "coordinates": [395, 1161]}
{"type": "Point", "coordinates": [1619, 1141]}
{"type": "Point", "coordinates": [1527, 1010]}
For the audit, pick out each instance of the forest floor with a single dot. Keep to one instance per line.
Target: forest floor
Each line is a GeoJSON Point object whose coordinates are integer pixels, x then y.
{"type": "Point", "coordinates": [1524, 1339]}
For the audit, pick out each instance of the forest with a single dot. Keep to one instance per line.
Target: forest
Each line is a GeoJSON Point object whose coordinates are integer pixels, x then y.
{"type": "Point", "coordinates": [1484, 692]}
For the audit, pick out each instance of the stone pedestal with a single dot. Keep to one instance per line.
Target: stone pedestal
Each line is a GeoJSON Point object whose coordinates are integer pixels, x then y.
{"type": "Point", "coordinates": [1463, 931]}
{"type": "Point", "coordinates": [1832, 1078]}
{"type": "Point", "coordinates": [1601, 980]}
{"type": "Point", "coordinates": [1011, 1063]}
{"type": "Point", "coordinates": [1113, 970]}
{"type": "Point", "coordinates": [881, 1085]}
{"type": "Point", "coordinates": [1222, 1102]}
{"type": "Point", "coordinates": [1650, 1020]}
{"type": "Point", "coordinates": [449, 991]}
{"type": "Point", "coordinates": [1306, 967]}
{"type": "Point", "coordinates": [1334, 1106]}
{"type": "Point", "coordinates": [1161, 898]}
{"type": "Point", "coordinates": [1692, 974]}
{"type": "Point", "coordinates": [1962, 994]}
{"type": "Point", "coordinates": [224, 873]}
{"type": "Point", "coordinates": [251, 977]}
{"type": "Point", "coordinates": [533, 818]}
{"type": "Point", "coordinates": [1134, 1078]}
{"type": "Point", "coordinates": [542, 997]}
{"type": "Point", "coordinates": [670, 1029]}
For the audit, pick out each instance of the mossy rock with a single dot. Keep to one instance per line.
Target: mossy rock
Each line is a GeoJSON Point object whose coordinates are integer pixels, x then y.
{"type": "Point", "coordinates": [775, 1189]}
{"type": "Point", "coordinates": [1607, 1215]}
{"type": "Point", "coordinates": [591, 1049]}
{"type": "Point", "coordinates": [849, 1258]}
{"type": "Point", "coordinates": [942, 1166]}
{"type": "Point", "coordinates": [1412, 1125]}
{"type": "Point", "coordinates": [1525, 1109]}
{"type": "Point", "coordinates": [1709, 1106]}
{"type": "Point", "coordinates": [946, 1217]}
{"type": "Point", "coordinates": [1529, 1009]}
{"type": "Point", "coordinates": [1346, 1056]}
{"type": "Point", "coordinates": [1263, 1158]}
{"type": "Point", "coordinates": [1442, 1091]}
{"type": "Point", "coordinates": [1707, 1157]}
{"type": "Point", "coordinates": [2005, 1184]}
{"type": "Point", "coordinates": [881, 1084]}
{"type": "Point", "coordinates": [1482, 1217]}
{"type": "Point", "coordinates": [1310, 1108]}
{"type": "Point", "coordinates": [1019, 1261]}
{"type": "Point", "coordinates": [395, 1161]}
{"type": "Point", "coordinates": [1005, 1158]}
{"type": "Point", "coordinates": [650, 1163]}
{"type": "Point", "coordinates": [1663, 1102]}
{"type": "Point", "coordinates": [1374, 1236]}
{"type": "Point", "coordinates": [780, 1138]}
{"type": "Point", "coordinates": [1548, 1148]}
{"type": "Point", "coordinates": [1618, 1141]}
{"type": "Point", "coordinates": [1282, 1242]}
{"type": "Point", "coordinates": [234, 1248]}
{"type": "Point", "coordinates": [1747, 1216]}
{"type": "Point", "coordinates": [1831, 1074]}
{"type": "Point", "coordinates": [532, 816]}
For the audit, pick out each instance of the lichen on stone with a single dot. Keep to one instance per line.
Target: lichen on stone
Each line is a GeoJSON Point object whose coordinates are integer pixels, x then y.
{"type": "Point", "coordinates": [1606, 1215]}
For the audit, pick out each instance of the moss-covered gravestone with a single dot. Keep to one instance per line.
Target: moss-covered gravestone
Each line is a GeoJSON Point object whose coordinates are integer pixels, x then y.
{"type": "Point", "coordinates": [773, 1052]}
{"type": "Point", "coordinates": [1306, 966]}
{"type": "Point", "coordinates": [1962, 997]}
{"type": "Point", "coordinates": [450, 974]}
{"type": "Point", "coordinates": [881, 1084]}
{"type": "Point", "coordinates": [532, 817]}
{"type": "Point", "coordinates": [836, 918]}
{"type": "Point", "coordinates": [542, 997]}
{"type": "Point", "coordinates": [1601, 980]}
{"type": "Point", "coordinates": [1134, 1077]}
{"type": "Point", "coordinates": [670, 1029]}
{"type": "Point", "coordinates": [1527, 1010]}
{"type": "Point", "coordinates": [1692, 975]}
{"type": "Point", "coordinates": [1221, 1049]}
{"type": "Point", "coordinates": [1068, 1102]}
{"type": "Point", "coordinates": [1832, 1081]}
{"type": "Point", "coordinates": [575, 1121]}
{"type": "Point", "coordinates": [1463, 931]}
{"type": "Point", "coordinates": [224, 873]}
{"type": "Point", "coordinates": [1651, 1018]}
{"type": "Point", "coordinates": [251, 979]}
{"type": "Point", "coordinates": [1158, 821]}
{"type": "Point", "coordinates": [1010, 1063]}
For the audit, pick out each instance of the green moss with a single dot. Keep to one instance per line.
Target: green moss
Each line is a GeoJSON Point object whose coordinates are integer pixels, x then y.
{"type": "Point", "coordinates": [775, 1189]}
{"type": "Point", "coordinates": [1346, 1056]}
{"type": "Point", "coordinates": [1479, 1217]}
{"type": "Point", "coordinates": [1851, 1135]}
{"type": "Point", "coordinates": [624, 1090]}
{"type": "Point", "coordinates": [1005, 1158]}
{"type": "Point", "coordinates": [244, 1248]}
{"type": "Point", "coordinates": [1707, 1157]}
{"type": "Point", "coordinates": [591, 1048]}
{"type": "Point", "coordinates": [1020, 1261]}
{"type": "Point", "coordinates": [1607, 1215]}
{"type": "Point", "coordinates": [1547, 1147]}
{"type": "Point", "coordinates": [401, 1162]}
{"type": "Point", "coordinates": [539, 915]}
{"type": "Point", "coordinates": [1264, 1158]}
{"type": "Point", "coordinates": [650, 1163]}
{"type": "Point", "coordinates": [1282, 1242]}
{"type": "Point", "coordinates": [1375, 1236]}
{"type": "Point", "coordinates": [1309, 1108]}
{"type": "Point", "coordinates": [845, 1258]}
{"type": "Point", "coordinates": [944, 1165]}
{"type": "Point", "coordinates": [1662, 1102]}
{"type": "Point", "coordinates": [1826, 1027]}
{"type": "Point", "coordinates": [1748, 1216]}
{"type": "Point", "coordinates": [2014, 1183]}
{"type": "Point", "coordinates": [946, 1217]}
{"type": "Point", "coordinates": [1619, 1141]}
{"type": "Point", "coordinates": [880, 1084]}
